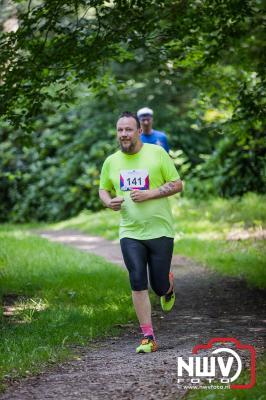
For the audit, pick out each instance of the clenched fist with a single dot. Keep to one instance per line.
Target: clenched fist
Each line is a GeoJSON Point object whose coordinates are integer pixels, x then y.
{"type": "Point", "coordinates": [140, 195]}
{"type": "Point", "coordinates": [115, 203]}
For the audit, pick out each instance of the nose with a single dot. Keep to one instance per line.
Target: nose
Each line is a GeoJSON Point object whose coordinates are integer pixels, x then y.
{"type": "Point", "coordinates": [123, 133]}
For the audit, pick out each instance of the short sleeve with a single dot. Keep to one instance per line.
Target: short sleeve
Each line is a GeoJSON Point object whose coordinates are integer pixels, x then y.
{"type": "Point", "coordinates": [105, 181]}
{"type": "Point", "coordinates": [168, 169]}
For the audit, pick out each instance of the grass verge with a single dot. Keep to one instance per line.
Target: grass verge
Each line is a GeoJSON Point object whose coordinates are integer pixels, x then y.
{"type": "Point", "coordinates": [53, 297]}
{"type": "Point", "coordinates": [205, 231]}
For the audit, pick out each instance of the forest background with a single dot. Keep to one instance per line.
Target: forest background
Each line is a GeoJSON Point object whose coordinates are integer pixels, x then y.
{"type": "Point", "coordinates": [69, 68]}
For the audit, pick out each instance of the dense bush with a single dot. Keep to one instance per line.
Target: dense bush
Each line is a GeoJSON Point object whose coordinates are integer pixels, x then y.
{"type": "Point", "coordinates": [58, 174]}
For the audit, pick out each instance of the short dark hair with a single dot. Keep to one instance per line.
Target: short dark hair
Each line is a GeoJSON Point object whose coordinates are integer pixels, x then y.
{"type": "Point", "coordinates": [129, 114]}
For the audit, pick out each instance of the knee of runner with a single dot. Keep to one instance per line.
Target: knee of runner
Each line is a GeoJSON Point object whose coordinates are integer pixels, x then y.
{"type": "Point", "coordinates": [160, 290]}
{"type": "Point", "coordinates": [138, 287]}
{"type": "Point", "coordinates": [137, 283]}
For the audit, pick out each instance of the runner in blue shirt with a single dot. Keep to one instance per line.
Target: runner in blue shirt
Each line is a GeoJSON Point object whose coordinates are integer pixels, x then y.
{"type": "Point", "coordinates": [149, 135]}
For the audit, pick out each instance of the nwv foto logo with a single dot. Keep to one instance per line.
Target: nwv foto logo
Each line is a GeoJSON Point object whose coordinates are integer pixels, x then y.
{"type": "Point", "coordinates": [222, 364]}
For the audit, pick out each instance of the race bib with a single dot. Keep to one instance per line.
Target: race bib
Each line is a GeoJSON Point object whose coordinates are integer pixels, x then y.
{"type": "Point", "coordinates": [131, 179]}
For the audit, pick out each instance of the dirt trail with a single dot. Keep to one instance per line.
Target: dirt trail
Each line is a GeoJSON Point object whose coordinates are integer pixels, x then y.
{"type": "Point", "coordinates": [207, 306]}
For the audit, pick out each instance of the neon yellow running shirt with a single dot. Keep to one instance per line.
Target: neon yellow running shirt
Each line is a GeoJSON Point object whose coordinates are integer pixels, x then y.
{"type": "Point", "coordinates": [150, 168]}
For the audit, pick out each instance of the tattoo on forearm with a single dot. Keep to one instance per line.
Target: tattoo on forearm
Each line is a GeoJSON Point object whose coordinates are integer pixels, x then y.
{"type": "Point", "coordinates": [167, 188]}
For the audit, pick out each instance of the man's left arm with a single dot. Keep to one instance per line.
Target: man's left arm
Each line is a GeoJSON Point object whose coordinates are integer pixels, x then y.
{"type": "Point", "coordinates": [168, 189]}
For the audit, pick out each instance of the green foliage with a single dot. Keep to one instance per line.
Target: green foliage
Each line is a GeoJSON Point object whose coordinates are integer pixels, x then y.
{"type": "Point", "coordinates": [235, 167]}
{"type": "Point", "coordinates": [58, 175]}
{"type": "Point", "coordinates": [70, 42]}
{"type": "Point", "coordinates": [69, 71]}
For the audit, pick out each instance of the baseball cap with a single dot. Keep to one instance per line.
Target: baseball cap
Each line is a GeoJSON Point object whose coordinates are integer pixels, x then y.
{"type": "Point", "coordinates": [144, 111]}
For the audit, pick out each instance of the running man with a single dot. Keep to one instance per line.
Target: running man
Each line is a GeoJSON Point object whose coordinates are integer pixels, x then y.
{"type": "Point", "coordinates": [149, 135]}
{"type": "Point", "coordinates": [143, 176]}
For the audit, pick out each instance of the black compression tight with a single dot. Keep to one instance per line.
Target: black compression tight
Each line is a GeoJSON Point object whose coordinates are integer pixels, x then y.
{"type": "Point", "coordinates": [157, 254]}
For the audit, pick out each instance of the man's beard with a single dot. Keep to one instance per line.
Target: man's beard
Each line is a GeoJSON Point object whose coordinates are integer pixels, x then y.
{"type": "Point", "coordinates": [128, 148]}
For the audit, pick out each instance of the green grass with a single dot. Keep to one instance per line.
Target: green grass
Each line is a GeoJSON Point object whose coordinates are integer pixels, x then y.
{"type": "Point", "coordinates": [103, 223]}
{"type": "Point", "coordinates": [61, 297]}
{"type": "Point", "coordinates": [258, 392]}
{"type": "Point", "coordinates": [201, 232]}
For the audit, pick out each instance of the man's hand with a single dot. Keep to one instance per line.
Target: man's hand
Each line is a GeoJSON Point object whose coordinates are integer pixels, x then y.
{"type": "Point", "coordinates": [115, 203]}
{"type": "Point", "coordinates": [140, 195]}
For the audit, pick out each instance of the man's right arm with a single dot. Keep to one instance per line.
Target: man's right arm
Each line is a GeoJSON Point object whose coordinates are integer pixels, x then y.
{"type": "Point", "coordinates": [114, 204]}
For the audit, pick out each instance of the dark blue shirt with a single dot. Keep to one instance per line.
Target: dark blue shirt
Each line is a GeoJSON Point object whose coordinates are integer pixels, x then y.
{"type": "Point", "coordinates": [156, 137]}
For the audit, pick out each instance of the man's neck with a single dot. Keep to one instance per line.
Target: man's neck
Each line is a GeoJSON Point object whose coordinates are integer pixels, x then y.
{"type": "Point", "coordinates": [149, 132]}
